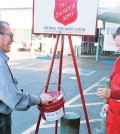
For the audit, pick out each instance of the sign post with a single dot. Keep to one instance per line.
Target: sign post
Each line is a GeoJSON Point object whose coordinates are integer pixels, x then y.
{"type": "Point", "coordinates": [65, 17]}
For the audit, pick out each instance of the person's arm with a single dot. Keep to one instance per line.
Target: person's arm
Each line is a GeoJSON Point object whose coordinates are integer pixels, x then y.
{"type": "Point", "coordinates": [12, 96]}
{"type": "Point", "coordinates": [103, 93]}
{"type": "Point", "coordinates": [115, 92]}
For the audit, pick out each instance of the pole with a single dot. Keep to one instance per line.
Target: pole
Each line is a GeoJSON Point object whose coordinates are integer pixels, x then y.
{"type": "Point", "coordinates": [52, 62]}
{"type": "Point", "coordinates": [59, 75]}
{"type": "Point", "coordinates": [70, 123]}
{"type": "Point", "coordinates": [98, 46]}
{"type": "Point", "coordinates": [38, 124]}
{"type": "Point", "coordinates": [61, 61]}
{"type": "Point", "coordinates": [48, 79]}
{"type": "Point", "coordinates": [79, 83]}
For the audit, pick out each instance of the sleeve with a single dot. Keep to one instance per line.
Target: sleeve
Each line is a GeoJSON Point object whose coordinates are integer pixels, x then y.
{"type": "Point", "coordinates": [12, 96]}
{"type": "Point", "coordinates": [115, 92]}
{"type": "Point", "coordinates": [115, 88]}
{"type": "Point", "coordinates": [116, 64]}
{"type": "Point", "coordinates": [107, 101]}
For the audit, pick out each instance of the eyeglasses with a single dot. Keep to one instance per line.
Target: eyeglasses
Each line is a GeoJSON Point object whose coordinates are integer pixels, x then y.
{"type": "Point", "coordinates": [11, 34]}
{"type": "Point", "coordinates": [117, 45]}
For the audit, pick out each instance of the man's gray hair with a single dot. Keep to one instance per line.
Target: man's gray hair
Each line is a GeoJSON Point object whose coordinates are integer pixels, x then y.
{"type": "Point", "coordinates": [2, 25]}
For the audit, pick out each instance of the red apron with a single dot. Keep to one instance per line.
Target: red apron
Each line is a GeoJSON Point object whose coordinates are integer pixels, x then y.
{"type": "Point", "coordinates": [113, 117]}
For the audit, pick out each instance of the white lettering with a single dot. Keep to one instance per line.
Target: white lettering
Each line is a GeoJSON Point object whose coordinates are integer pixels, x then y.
{"type": "Point", "coordinates": [64, 11]}
{"type": "Point", "coordinates": [67, 16]}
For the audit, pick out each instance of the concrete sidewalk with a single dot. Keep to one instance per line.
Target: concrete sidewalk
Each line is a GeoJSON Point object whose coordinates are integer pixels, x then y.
{"type": "Point", "coordinates": [20, 55]}
{"type": "Point", "coordinates": [17, 55]}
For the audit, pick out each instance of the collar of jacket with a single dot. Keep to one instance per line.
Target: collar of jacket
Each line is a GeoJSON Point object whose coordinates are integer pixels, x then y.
{"type": "Point", "coordinates": [3, 55]}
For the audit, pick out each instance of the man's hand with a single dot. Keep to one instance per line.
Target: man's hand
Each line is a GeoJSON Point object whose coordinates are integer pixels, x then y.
{"type": "Point", "coordinates": [103, 93]}
{"type": "Point", "coordinates": [45, 98]}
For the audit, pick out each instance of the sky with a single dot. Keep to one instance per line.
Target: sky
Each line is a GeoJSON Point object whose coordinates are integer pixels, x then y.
{"type": "Point", "coordinates": [15, 3]}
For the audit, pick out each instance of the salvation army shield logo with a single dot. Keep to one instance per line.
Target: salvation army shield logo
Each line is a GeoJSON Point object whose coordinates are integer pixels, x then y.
{"type": "Point", "coordinates": [65, 11]}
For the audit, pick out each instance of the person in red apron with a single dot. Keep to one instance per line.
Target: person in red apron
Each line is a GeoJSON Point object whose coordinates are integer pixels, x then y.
{"type": "Point", "coordinates": [112, 95]}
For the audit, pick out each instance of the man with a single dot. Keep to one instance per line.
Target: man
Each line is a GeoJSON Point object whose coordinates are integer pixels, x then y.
{"type": "Point", "coordinates": [11, 98]}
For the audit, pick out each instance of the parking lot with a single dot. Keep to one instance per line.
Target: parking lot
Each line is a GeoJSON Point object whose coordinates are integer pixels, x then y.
{"type": "Point", "coordinates": [32, 75]}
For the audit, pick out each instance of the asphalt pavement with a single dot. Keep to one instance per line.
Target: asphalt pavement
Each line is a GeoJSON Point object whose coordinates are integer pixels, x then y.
{"type": "Point", "coordinates": [32, 74]}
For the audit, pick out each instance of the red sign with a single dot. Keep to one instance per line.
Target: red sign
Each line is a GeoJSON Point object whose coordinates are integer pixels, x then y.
{"type": "Point", "coordinates": [65, 11]}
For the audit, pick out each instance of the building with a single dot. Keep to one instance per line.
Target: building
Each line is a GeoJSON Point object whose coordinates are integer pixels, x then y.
{"type": "Point", "coordinates": [20, 18]}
